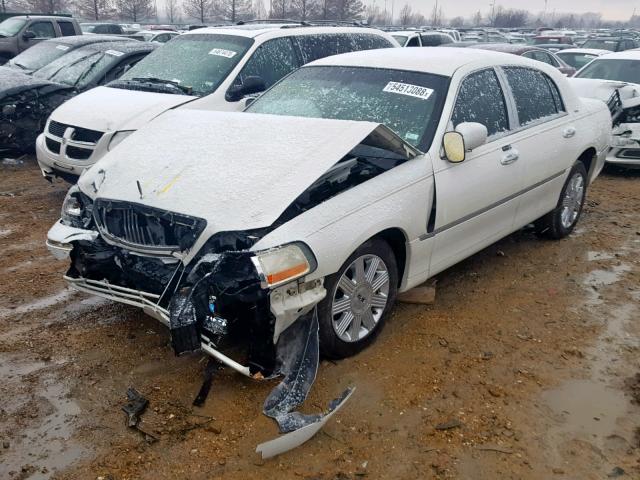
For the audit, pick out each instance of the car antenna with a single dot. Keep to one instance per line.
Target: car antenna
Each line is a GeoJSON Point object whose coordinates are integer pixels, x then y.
{"type": "Point", "coordinates": [139, 188]}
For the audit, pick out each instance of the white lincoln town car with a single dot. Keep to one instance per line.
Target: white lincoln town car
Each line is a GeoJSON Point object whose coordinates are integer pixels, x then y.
{"type": "Point", "coordinates": [354, 178]}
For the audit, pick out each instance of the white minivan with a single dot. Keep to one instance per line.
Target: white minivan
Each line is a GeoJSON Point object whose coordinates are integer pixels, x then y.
{"type": "Point", "coordinates": [209, 69]}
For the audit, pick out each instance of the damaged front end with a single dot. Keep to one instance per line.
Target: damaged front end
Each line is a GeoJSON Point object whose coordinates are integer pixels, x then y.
{"type": "Point", "coordinates": [255, 304]}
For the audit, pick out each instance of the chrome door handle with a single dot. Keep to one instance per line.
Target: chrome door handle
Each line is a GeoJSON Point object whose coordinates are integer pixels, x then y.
{"type": "Point", "coordinates": [569, 132]}
{"type": "Point", "coordinates": [510, 157]}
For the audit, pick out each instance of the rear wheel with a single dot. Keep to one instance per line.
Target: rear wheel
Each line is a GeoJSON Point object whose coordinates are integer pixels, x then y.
{"type": "Point", "coordinates": [359, 297]}
{"type": "Point", "coordinates": [561, 221]}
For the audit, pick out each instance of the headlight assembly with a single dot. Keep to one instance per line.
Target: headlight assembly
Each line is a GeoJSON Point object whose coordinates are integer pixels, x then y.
{"type": "Point", "coordinates": [76, 209]}
{"type": "Point", "coordinates": [284, 264]}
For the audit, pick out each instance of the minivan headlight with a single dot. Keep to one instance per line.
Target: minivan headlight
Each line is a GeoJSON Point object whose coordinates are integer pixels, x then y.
{"type": "Point", "coordinates": [117, 138]}
{"type": "Point", "coordinates": [284, 264]}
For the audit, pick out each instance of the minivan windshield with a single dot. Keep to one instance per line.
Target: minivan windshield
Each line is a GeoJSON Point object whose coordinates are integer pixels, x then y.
{"type": "Point", "coordinates": [409, 103]}
{"type": "Point", "coordinates": [39, 55]}
{"type": "Point", "coordinates": [617, 70]}
{"type": "Point", "coordinates": [11, 26]}
{"type": "Point", "coordinates": [198, 63]}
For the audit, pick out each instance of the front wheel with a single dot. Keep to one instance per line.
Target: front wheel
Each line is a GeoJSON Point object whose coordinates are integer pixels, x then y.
{"type": "Point", "coordinates": [561, 221]}
{"type": "Point", "coordinates": [359, 297]}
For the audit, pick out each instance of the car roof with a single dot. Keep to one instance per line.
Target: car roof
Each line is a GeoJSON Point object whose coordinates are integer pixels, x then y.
{"type": "Point", "coordinates": [512, 48]}
{"type": "Point", "coordinates": [436, 60]}
{"type": "Point", "coordinates": [587, 51]}
{"type": "Point", "coordinates": [625, 55]}
{"type": "Point", "coordinates": [124, 46]}
{"type": "Point", "coordinates": [287, 29]}
{"type": "Point", "coordinates": [80, 40]}
{"type": "Point", "coordinates": [607, 38]}
{"type": "Point", "coordinates": [43, 17]}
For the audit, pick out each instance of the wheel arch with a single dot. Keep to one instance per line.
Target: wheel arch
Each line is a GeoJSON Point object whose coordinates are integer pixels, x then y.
{"type": "Point", "coordinates": [397, 240]}
{"type": "Point", "coordinates": [588, 158]}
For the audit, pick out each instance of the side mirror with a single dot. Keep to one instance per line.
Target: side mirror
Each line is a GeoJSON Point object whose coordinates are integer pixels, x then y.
{"type": "Point", "coordinates": [467, 137]}
{"type": "Point", "coordinates": [249, 86]}
{"type": "Point", "coordinates": [28, 35]}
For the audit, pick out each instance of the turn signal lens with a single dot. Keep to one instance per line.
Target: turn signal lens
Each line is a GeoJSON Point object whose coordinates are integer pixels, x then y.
{"type": "Point", "coordinates": [283, 264]}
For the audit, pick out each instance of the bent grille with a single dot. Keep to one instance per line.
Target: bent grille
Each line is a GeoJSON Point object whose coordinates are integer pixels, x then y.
{"type": "Point", "coordinates": [146, 228]}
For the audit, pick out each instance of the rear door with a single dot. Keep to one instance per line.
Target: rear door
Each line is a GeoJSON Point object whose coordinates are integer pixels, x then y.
{"type": "Point", "coordinates": [476, 200]}
{"type": "Point", "coordinates": [544, 136]}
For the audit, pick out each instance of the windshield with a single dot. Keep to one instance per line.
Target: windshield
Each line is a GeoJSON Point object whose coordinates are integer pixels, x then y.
{"type": "Point", "coordinates": [199, 62]}
{"type": "Point", "coordinates": [576, 60]}
{"type": "Point", "coordinates": [401, 39]}
{"type": "Point", "coordinates": [11, 26]}
{"type": "Point", "coordinates": [618, 70]}
{"type": "Point", "coordinates": [409, 103]}
{"type": "Point", "coordinates": [601, 44]}
{"type": "Point", "coordinates": [39, 55]}
{"type": "Point", "coordinates": [77, 69]}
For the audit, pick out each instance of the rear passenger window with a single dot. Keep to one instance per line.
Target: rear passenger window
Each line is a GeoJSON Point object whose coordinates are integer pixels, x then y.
{"type": "Point", "coordinates": [314, 47]}
{"type": "Point", "coordinates": [535, 94]}
{"type": "Point", "coordinates": [480, 99]}
{"type": "Point", "coordinates": [414, 42]}
{"type": "Point", "coordinates": [67, 29]}
{"type": "Point", "coordinates": [270, 61]}
{"type": "Point", "coordinates": [367, 41]}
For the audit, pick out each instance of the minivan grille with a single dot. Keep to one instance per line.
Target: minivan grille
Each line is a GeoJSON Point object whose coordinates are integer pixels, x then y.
{"type": "Point", "coordinates": [629, 153]}
{"type": "Point", "coordinates": [79, 134]}
{"type": "Point", "coordinates": [146, 228]}
{"type": "Point", "coordinates": [52, 145]}
{"type": "Point", "coordinates": [57, 129]}
{"type": "Point", "coordinates": [77, 153]}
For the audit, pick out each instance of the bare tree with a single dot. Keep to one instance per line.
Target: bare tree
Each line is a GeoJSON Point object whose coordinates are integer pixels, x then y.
{"type": "Point", "coordinates": [510, 18]}
{"type": "Point", "coordinates": [436, 15]}
{"type": "Point", "coordinates": [406, 15]}
{"type": "Point", "coordinates": [135, 10]}
{"type": "Point", "coordinates": [200, 10]}
{"type": "Point", "coordinates": [304, 9]}
{"type": "Point", "coordinates": [259, 10]}
{"type": "Point", "coordinates": [280, 8]}
{"type": "Point", "coordinates": [233, 10]}
{"type": "Point", "coordinates": [95, 9]}
{"type": "Point", "coordinates": [349, 9]}
{"type": "Point", "coordinates": [457, 22]}
{"type": "Point", "coordinates": [373, 15]}
{"type": "Point", "coordinates": [477, 19]}
{"type": "Point", "coordinates": [41, 6]}
{"type": "Point", "coordinates": [172, 11]}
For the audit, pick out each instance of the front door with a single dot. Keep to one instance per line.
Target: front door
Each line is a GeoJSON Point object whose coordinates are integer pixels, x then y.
{"type": "Point", "coordinates": [476, 199]}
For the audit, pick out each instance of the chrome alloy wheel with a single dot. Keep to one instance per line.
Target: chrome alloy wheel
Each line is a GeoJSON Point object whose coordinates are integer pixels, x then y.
{"type": "Point", "coordinates": [572, 201]}
{"type": "Point", "coordinates": [360, 298]}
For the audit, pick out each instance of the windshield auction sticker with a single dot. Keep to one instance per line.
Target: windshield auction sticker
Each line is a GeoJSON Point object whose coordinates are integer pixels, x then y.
{"type": "Point", "coordinates": [115, 53]}
{"type": "Point", "coordinates": [221, 52]}
{"type": "Point", "coordinates": [408, 89]}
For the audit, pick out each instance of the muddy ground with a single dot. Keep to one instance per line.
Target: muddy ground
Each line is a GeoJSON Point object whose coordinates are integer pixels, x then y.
{"type": "Point", "coordinates": [525, 367]}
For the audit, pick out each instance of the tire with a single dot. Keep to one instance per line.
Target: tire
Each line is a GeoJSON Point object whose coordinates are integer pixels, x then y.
{"type": "Point", "coordinates": [369, 302]}
{"type": "Point", "coordinates": [561, 221]}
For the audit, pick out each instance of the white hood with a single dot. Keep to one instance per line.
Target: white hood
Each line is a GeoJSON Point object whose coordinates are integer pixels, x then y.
{"type": "Point", "coordinates": [110, 109]}
{"type": "Point", "coordinates": [238, 171]}
{"type": "Point", "coordinates": [603, 89]}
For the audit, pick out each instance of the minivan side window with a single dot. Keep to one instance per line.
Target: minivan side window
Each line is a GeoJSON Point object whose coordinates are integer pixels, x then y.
{"type": "Point", "coordinates": [270, 61]}
{"type": "Point", "coordinates": [367, 41]}
{"type": "Point", "coordinates": [480, 99]}
{"type": "Point", "coordinates": [413, 42]}
{"type": "Point", "coordinates": [66, 28]}
{"type": "Point", "coordinates": [314, 47]}
{"type": "Point", "coordinates": [535, 94]}
{"type": "Point", "coordinates": [42, 29]}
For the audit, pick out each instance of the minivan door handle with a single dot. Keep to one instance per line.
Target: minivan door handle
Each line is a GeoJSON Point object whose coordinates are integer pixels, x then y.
{"type": "Point", "coordinates": [510, 157]}
{"type": "Point", "coordinates": [569, 132]}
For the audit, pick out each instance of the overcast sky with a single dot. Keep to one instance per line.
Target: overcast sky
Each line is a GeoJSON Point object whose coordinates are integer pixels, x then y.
{"type": "Point", "coordinates": [610, 9]}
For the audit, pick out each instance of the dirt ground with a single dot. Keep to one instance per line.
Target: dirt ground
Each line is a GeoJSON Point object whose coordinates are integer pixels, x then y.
{"type": "Point", "coordinates": [525, 367]}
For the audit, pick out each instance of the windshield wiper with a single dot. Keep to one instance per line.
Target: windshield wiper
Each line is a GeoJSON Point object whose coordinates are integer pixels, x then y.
{"type": "Point", "coordinates": [182, 88]}
{"type": "Point", "coordinates": [23, 67]}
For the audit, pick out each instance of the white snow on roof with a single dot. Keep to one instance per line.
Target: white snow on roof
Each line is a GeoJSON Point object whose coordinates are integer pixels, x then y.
{"type": "Point", "coordinates": [438, 60]}
{"type": "Point", "coordinates": [626, 55]}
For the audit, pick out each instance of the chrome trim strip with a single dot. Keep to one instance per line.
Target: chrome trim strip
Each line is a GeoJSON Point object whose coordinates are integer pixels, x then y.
{"type": "Point", "coordinates": [466, 218]}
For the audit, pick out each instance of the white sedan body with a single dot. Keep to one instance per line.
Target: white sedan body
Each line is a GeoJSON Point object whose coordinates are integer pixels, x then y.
{"type": "Point", "coordinates": [246, 175]}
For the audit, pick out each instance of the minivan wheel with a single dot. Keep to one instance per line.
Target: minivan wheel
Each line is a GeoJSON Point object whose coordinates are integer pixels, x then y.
{"type": "Point", "coordinates": [359, 297]}
{"type": "Point", "coordinates": [561, 221]}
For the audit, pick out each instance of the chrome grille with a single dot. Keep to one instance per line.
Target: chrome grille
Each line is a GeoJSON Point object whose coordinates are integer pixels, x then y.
{"type": "Point", "coordinates": [146, 228]}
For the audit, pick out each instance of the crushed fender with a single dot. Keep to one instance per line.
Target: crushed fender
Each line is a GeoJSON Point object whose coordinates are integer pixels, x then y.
{"type": "Point", "coordinates": [296, 438]}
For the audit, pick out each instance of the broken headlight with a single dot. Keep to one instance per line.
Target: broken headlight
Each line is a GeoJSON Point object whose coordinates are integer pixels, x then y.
{"type": "Point", "coordinates": [76, 209]}
{"type": "Point", "coordinates": [281, 265]}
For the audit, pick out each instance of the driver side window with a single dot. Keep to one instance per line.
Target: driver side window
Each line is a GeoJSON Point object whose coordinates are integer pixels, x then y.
{"type": "Point", "coordinates": [480, 99]}
{"type": "Point", "coordinates": [42, 29]}
{"type": "Point", "coordinates": [270, 61]}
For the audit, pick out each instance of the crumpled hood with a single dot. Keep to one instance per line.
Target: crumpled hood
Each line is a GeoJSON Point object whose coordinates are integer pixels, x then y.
{"type": "Point", "coordinates": [110, 109]}
{"type": "Point", "coordinates": [603, 89]}
{"type": "Point", "coordinates": [238, 171]}
{"type": "Point", "coordinates": [13, 82]}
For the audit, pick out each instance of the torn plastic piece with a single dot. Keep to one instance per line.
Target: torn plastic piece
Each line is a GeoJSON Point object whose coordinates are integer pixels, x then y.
{"type": "Point", "coordinates": [135, 407]}
{"type": "Point", "coordinates": [296, 438]}
{"type": "Point", "coordinates": [209, 370]}
{"type": "Point", "coordinates": [183, 322]}
{"type": "Point", "coordinates": [297, 359]}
